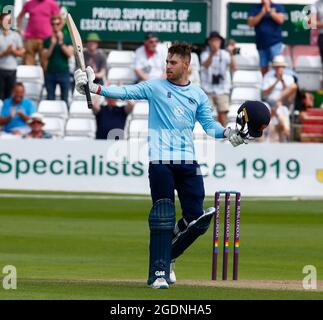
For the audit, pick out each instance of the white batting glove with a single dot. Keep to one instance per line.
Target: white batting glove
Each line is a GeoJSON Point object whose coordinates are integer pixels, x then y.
{"type": "Point", "coordinates": [82, 78]}
{"type": "Point", "coordinates": [233, 136]}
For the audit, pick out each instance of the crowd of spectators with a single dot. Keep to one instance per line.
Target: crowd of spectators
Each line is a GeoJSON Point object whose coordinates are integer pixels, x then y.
{"type": "Point", "coordinates": [46, 41]}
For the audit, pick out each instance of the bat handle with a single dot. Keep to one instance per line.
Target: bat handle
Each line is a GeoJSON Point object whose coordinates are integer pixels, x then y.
{"type": "Point", "coordinates": [88, 96]}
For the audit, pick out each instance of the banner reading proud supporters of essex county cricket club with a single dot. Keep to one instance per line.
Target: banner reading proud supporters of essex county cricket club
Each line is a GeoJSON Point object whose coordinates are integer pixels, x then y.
{"type": "Point", "coordinates": [131, 20]}
{"type": "Point", "coordinates": [122, 167]}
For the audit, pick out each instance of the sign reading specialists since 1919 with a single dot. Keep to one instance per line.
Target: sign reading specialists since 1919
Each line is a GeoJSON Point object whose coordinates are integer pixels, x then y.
{"type": "Point", "coordinates": [130, 20]}
{"type": "Point", "coordinates": [256, 169]}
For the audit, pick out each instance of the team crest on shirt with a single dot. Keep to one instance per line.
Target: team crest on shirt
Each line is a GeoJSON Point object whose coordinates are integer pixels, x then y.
{"type": "Point", "coordinates": [179, 111]}
{"type": "Point", "coordinates": [169, 94]}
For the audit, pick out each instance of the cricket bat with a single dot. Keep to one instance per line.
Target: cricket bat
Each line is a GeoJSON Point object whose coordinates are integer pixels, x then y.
{"type": "Point", "coordinates": [78, 52]}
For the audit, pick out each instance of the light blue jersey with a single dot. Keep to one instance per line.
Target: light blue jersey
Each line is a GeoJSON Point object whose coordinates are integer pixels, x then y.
{"type": "Point", "coordinates": [173, 111]}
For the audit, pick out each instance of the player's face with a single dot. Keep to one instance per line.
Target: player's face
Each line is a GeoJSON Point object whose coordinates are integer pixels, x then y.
{"type": "Point", "coordinates": [176, 66]}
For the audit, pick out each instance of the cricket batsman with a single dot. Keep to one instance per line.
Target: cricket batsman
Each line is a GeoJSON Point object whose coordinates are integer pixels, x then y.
{"type": "Point", "coordinates": [174, 106]}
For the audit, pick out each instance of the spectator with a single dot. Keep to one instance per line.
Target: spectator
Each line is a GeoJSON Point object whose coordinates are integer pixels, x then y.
{"type": "Point", "coordinates": [307, 102]}
{"type": "Point", "coordinates": [279, 90]}
{"type": "Point", "coordinates": [215, 74]}
{"type": "Point", "coordinates": [16, 111]}
{"type": "Point", "coordinates": [150, 59]}
{"type": "Point", "coordinates": [36, 124]}
{"type": "Point", "coordinates": [279, 87]}
{"type": "Point", "coordinates": [111, 118]}
{"type": "Point", "coordinates": [57, 49]}
{"type": "Point", "coordinates": [38, 27]}
{"type": "Point", "coordinates": [267, 19]}
{"type": "Point", "coordinates": [316, 21]}
{"type": "Point", "coordinates": [95, 58]}
{"type": "Point", "coordinates": [11, 47]}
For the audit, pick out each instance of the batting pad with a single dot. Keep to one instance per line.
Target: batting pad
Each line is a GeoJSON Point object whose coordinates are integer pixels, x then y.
{"type": "Point", "coordinates": [161, 223]}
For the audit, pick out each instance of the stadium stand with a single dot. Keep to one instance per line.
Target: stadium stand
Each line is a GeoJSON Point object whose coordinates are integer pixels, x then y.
{"type": "Point", "coordinates": [28, 73]}
{"type": "Point", "coordinates": [121, 75]}
{"type": "Point", "coordinates": [247, 78]}
{"type": "Point", "coordinates": [79, 109]}
{"type": "Point", "coordinates": [54, 126]}
{"type": "Point", "coordinates": [80, 127]}
{"type": "Point", "coordinates": [140, 110]}
{"type": "Point", "coordinates": [241, 94]}
{"type": "Point", "coordinates": [312, 128]}
{"type": "Point", "coordinates": [53, 108]}
{"type": "Point", "coordinates": [119, 58]}
{"type": "Point", "coordinates": [309, 69]}
{"type": "Point", "coordinates": [137, 128]}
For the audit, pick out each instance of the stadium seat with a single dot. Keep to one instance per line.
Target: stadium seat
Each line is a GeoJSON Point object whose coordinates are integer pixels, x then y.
{"type": "Point", "coordinates": [33, 91]}
{"type": "Point", "coordinates": [55, 126]}
{"type": "Point", "coordinates": [247, 78]}
{"type": "Point", "coordinates": [79, 109]}
{"type": "Point", "coordinates": [140, 110]}
{"type": "Point", "coordinates": [308, 63]}
{"type": "Point", "coordinates": [138, 128]}
{"type": "Point", "coordinates": [248, 50]}
{"type": "Point", "coordinates": [232, 115]}
{"type": "Point", "coordinates": [29, 73]}
{"type": "Point", "coordinates": [195, 69]}
{"type": "Point", "coordinates": [53, 108]}
{"type": "Point", "coordinates": [247, 62]}
{"type": "Point", "coordinates": [309, 81]}
{"type": "Point", "coordinates": [119, 58]}
{"type": "Point", "coordinates": [121, 75]}
{"type": "Point", "coordinates": [241, 94]}
{"type": "Point", "coordinates": [309, 69]}
{"type": "Point", "coordinates": [80, 127]}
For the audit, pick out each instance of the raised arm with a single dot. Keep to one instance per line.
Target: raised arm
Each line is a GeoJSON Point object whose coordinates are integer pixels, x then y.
{"type": "Point", "coordinates": [140, 91]}
{"type": "Point", "coordinates": [254, 20]}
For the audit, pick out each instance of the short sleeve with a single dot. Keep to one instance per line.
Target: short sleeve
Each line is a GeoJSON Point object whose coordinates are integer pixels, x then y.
{"type": "Point", "coordinates": [30, 108]}
{"type": "Point", "coordinates": [4, 109]}
{"type": "Point", "coordinates": [253, 11]}
{"type": "Point", "coordinates": [204, 56]}
{"type": "Point", "coordinates": [19, 41]}
{"type": "Point", "coordinates": [25, 7]}
{"type": "Point", "coordinates": [266, 83]}
{"type": "Point", "coordinates": [280, 8]}
{"type": "Point", "coordinates": [68, 40]}
{"type": "Point", "coordinates": [54, 8]}
{"type": "Point", "coordinates": [138, 59]}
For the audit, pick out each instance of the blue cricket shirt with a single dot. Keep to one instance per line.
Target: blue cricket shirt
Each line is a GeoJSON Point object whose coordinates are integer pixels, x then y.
{"type": "Point", "coordinates": [173, 111]}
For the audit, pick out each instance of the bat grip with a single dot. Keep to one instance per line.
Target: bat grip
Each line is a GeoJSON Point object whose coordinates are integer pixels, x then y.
{"type": "Point", "coordinates": [88, 96]}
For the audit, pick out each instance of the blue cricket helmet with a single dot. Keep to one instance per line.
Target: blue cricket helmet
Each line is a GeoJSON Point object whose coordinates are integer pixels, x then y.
{"type": "Point", "coordinates": [253, 117]}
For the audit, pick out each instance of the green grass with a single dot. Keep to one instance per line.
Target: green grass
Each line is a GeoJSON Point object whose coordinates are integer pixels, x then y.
{"type": "Point", "coordinates": [54, 241]}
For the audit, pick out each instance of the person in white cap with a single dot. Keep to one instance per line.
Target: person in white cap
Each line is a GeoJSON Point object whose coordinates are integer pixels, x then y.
{"type": "Point", "coordinates": [36, 123]}
{"type": "Point", "coordinates": [279, 89]}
